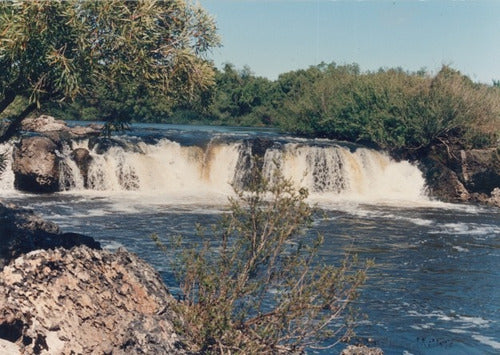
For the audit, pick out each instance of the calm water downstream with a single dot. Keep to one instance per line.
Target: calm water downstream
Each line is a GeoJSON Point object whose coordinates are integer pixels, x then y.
{"type": "Point", "coordinates": [435, 288]}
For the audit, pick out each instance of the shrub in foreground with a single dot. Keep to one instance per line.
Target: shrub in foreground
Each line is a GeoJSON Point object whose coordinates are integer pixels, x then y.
{"type": "Point", "coordinates": [260, 289]}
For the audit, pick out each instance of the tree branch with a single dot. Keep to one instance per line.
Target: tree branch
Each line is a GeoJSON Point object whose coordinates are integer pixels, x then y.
{"type": "Point", "coordinates": [9, 97]}
{"type": "Point", "coordinates": [15, 124]}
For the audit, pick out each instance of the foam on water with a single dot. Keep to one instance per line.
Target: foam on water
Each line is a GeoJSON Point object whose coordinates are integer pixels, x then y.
{"type": "Point", "coordinates": [487, 341]}
{"type": "Point", "coordinates": [471, 229]}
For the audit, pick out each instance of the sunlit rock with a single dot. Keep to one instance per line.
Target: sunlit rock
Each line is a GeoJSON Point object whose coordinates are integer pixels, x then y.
{"type": "Point", "coordinates": [86, 301]}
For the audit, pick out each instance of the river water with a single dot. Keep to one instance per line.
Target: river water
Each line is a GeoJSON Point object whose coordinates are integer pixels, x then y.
{"type": "Point", "coordinates": [435, 286]}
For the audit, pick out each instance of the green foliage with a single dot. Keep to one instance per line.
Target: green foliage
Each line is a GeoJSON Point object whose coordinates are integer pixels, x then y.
{"type": "Point", "coordinates": [260, 289]}
{"type": "Point", "coordinates": [395, 110]}
{"type": "Point", "coordinates": [105, 51]}
{"type": "Point", "coordinates": [240, 98]}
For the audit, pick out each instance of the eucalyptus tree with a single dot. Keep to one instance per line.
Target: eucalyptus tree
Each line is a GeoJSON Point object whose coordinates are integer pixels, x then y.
{"type": "Point", "coordinates": [59, 50]}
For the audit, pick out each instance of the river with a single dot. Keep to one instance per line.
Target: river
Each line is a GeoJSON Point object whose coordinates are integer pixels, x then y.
{"type": "Point", "coordinates": [435, 286]}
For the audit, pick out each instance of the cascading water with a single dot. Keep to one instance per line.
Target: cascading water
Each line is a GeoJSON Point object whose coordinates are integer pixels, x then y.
{"type": "Point", "coordinates": [7, 176]}
{"type": "Point", "coordinates": [329, 171]}
{"type": "Point", "coordinates": [334, 170]}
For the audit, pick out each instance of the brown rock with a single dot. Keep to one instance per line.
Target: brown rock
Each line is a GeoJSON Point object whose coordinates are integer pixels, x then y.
{"type": "Point", "coordinates": [43, 123]}
{"type": "Point", "coordinates": [35, 165]}
{"type": "Point", "coordinates": [86, 131]}
{"type": "Point", "coordinates": [444, 183]}
{"type": "Point", "coordinates": [82, 158]}
{"type": "Point", "coordinates": [494, 199]}
{"type": "Point", "coordinates": [361, 350]}
{"type": "Point", "coordinates": [62, 302]}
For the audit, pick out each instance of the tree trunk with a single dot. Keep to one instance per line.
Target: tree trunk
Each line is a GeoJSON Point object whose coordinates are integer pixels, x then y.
{"type": "Point", "coordinates": [15, 124]}
{"type": "Point", "coordinates": [9, 97]}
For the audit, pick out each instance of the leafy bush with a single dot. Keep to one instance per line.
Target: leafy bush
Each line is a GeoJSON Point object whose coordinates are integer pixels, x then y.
{"type": "Point", "coordinates": [396, 110]}
{"type": "Point", "coordinates": [261, 289]}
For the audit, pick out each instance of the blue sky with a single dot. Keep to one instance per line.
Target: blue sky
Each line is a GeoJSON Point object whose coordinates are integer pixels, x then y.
{"type": "Point", "coordinates": [276, 36]}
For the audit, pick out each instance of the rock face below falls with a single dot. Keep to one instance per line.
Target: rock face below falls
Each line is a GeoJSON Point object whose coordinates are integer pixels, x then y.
{"type": "Point", "coordinates": [85, 301]}
{"type": "Point", "coordinates": [36, 165]}
{"type": "Point", "coordinates": [464, 175]}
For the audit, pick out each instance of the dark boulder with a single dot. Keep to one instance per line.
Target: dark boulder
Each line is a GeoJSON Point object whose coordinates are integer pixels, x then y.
{"type": "Point", "coordinates": [101, 145]}
{"type": "Point", "coordinates": [82, 158]}
{"type": "Point", "coordinates": [36, 165]}
{"type": "Point", "coordinates": [480, 170]}
{"type": "Point", "coordinates": [21, 231]}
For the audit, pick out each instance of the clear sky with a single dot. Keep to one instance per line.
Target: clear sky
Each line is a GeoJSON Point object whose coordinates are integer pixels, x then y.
{"type": "Point", "coordinates": [276, 36]}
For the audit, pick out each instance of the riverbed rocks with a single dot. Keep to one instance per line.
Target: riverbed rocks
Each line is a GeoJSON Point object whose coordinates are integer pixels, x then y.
{"type": "Point", "coordinates": [86, 301]}
{"type": "Point", "coordinates": [361, 350]}
{"type": "Point", "coordinates": [36, 165]}
{"type": "Point", "coordinates": [22, 231]}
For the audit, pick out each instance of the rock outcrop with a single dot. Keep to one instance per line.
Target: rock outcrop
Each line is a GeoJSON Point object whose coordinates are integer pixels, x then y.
{"type": "Point", "coordinates": [43, 123]}
{"type": "Point", "coordinates": [464, 175]}
{"type": "Point", "coordinates": [86, 301]}
{"type": "Point", "coordinates": [82, 158]}
{"type": "Point", "coordinates": [361, 350]}
{"type": "Point", "coordinates": [36, 165]}
{"type": "Point", "coordinates": [58, 129]}
{"type": "Point", "coordinates": [36, 159]}
{"type": "Point", "coordinates": [21, 231]}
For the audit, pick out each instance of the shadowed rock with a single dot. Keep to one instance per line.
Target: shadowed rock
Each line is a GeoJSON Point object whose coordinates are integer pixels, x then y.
{"type": "Point", "coordinates": [82, 158]}
{"type": "Point", "coordinates": [21, 231]}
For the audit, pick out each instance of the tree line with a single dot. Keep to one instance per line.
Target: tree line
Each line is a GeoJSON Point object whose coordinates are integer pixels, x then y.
{"type": "Point", "coordinates": [391, 109]}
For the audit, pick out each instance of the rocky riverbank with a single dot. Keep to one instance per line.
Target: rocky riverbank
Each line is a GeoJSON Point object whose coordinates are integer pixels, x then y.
{"type": "Point", "coordinates": [61, 294]}
{"type": "Point", "coordinates": [86, 301]}
{"type": "Point", "coordinates": [457, 175]}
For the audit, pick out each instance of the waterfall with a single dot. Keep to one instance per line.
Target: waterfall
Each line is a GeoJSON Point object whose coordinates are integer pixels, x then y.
{"type": "Point", "coordinates": [165, 167]}
{"type": "Point", "coordinates": [7, 177]}
{"type": "Point", "coordinates": [363, 174]}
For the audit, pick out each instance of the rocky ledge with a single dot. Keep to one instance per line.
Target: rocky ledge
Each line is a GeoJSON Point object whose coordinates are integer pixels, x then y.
{"type": "Point", "coordinates": [36, 157]}
{"type": "Point", "coordinates": [457, 175]}
{"type": "Point", "coordinates": [61, 294]}
{"type": "Point", "coordinates": [85, 301]}
{"type": "Point", "coordinates": [21, 231]}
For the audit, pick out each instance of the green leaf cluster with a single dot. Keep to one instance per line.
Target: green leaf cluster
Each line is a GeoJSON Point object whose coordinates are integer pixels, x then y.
{"type": "Point", "coordinates": [103, 51]}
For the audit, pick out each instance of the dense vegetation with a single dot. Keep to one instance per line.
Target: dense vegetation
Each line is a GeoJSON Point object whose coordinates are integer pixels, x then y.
{"type": "Point", "coordinates": [254, 286]}
{"type": "Point", "coordinates": [103, 52]}
{"type": "Point", "coordinates": [391, 109]}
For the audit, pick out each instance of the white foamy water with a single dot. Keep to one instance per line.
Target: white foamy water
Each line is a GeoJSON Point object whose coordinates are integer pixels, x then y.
{"type": "Point", "coordinates": [336, 173]}
{"type": "Point", "coordinates": [172, 172]}
{"type": "Point", "coordinates": [7, 177]}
